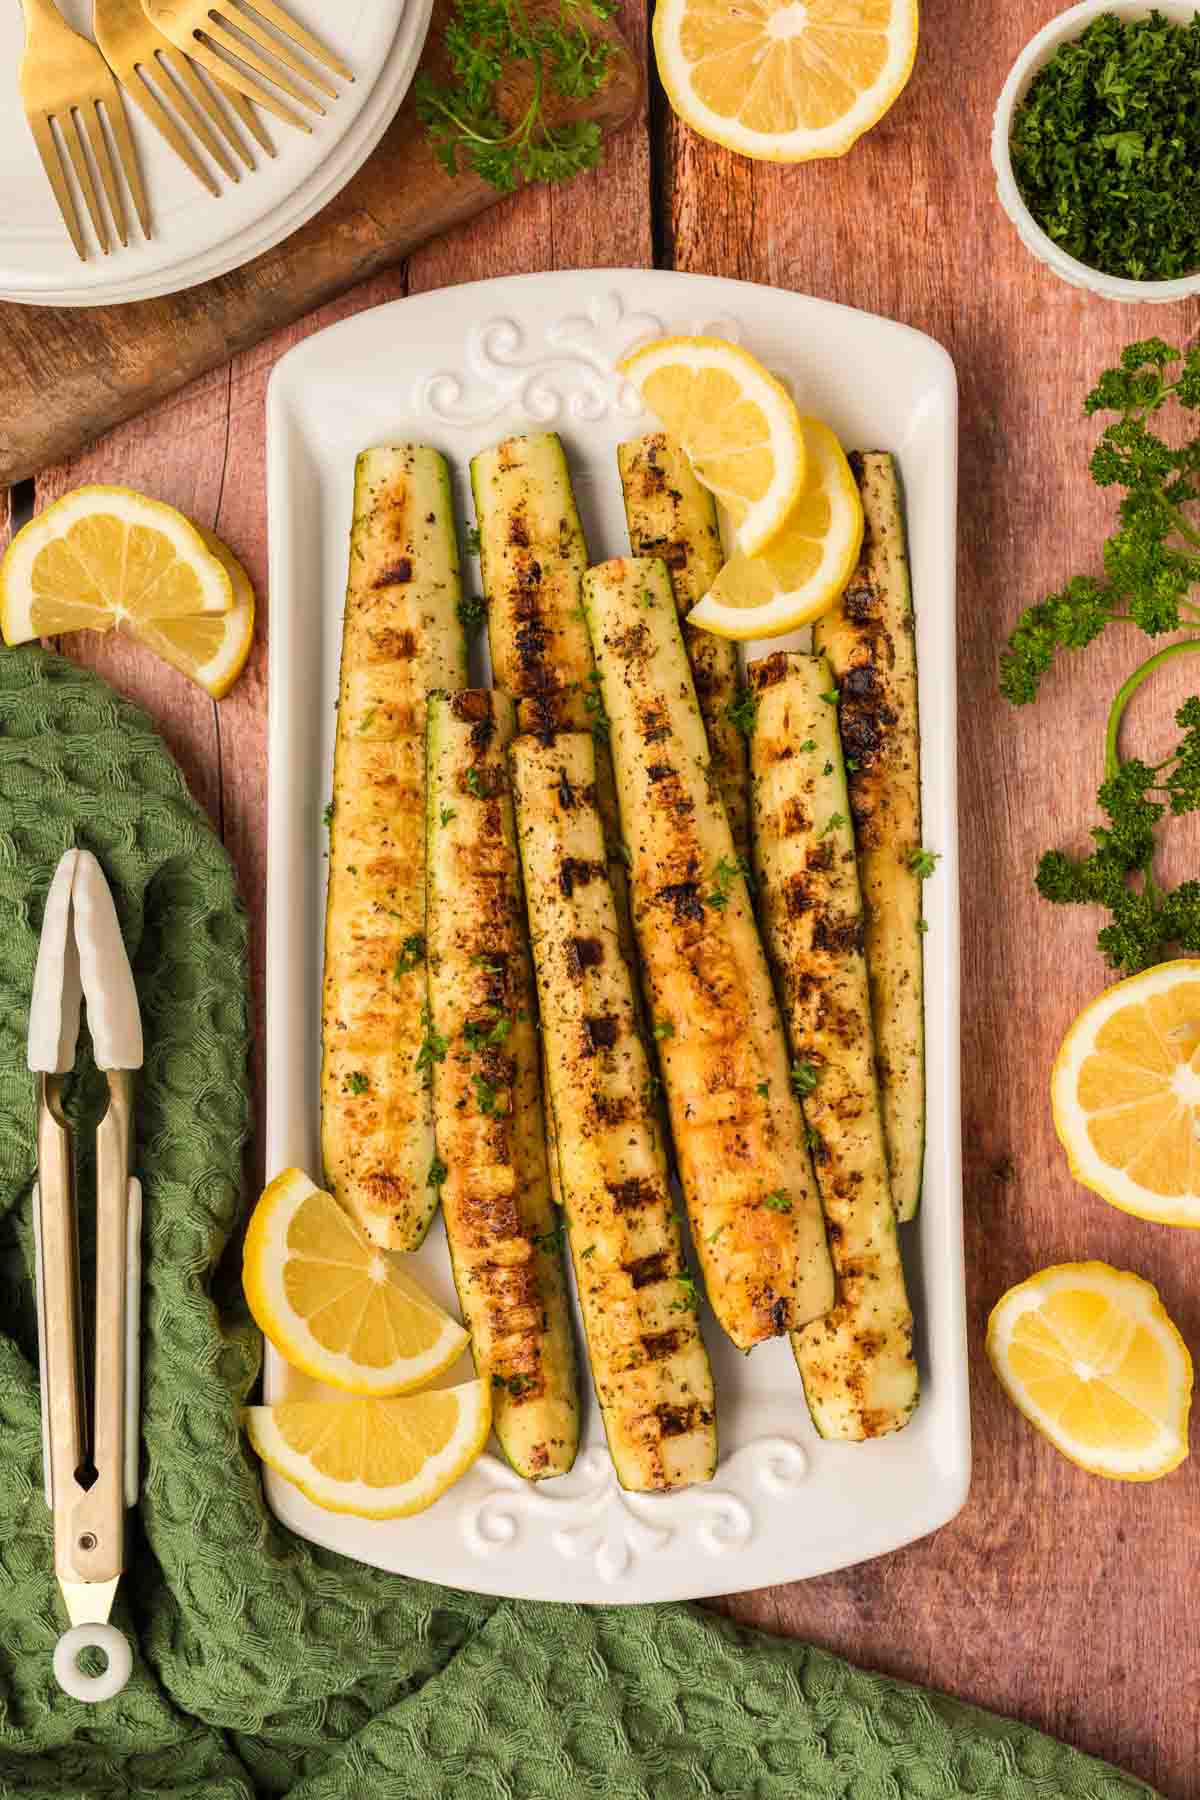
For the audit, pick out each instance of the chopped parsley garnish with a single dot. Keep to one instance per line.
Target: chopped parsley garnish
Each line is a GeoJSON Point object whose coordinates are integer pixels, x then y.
{"type": "Point", "coordinates": [481, 960]}
{"type": "Point", "coordinates": [472, 540]}
{"type": "Point", "coordinates": [714, 1235]}
{"type": "Point", "coordinates": [447, 813]}
{"type": "Point", "coordinates": [437, 1173]}
{"type": "Point", "coordinates": [433, 1048]}
{"type": "Point", "coordinates": [924, 862]}
{"type": "Point", "coordinates": [723, 876]}
{"type": "Point", "coordinates": [590, 1251]}
{"type": "Point", "coordinates": [516, 1385]}
{"type": "Point", "coordinates": [812, 1138]}
{"type": "Point", "coordinates": [412, 952]}
{"type": "Point", "coordinates": [923, 924]}
{"type": "Point", "coordinates": [593, 700]}
{"type": "Point", "coordinates": [777, 1202]}
{"type": "Point", "coordinates": [487, 1096]}
{"type": "Point", "coordinates": [476, 784]}
{"type": "Point", "coordinates": [689, 1296]}
{"type": "Point", "coordinates": [832, 697]}
{"type": "Point", "coordinates": [327, 815]}
{"type": "Point", "coordinates": [742, 710]}
{"type": "Point", "coordinates": [367, 720]}
{"type": "Point", "coordinates": [471, 612]}
{"type": "Point", "coordinates": [804, 1077]}
{"type": "Point", "coordinates": [550, 1240]}
{"type": "Point", "coordinates": [1105, 147]}
{"type": "Point", "coordinates": [357, 1082]}
{"type": "Point", "coordinates": [831, 824]}
{"type": "Point", "coordinates": [764, 1089]}
{"type": "Point", "coordinates": [483, 1037]}
{"type": "Point", "coordinates": [494, 47]}
{"type": "Point", "coordinates": [808, 744]}
{"type": "Point", "coordinates": [828, 769]}
{"type": "Point", "coordinates": [664, 1029]}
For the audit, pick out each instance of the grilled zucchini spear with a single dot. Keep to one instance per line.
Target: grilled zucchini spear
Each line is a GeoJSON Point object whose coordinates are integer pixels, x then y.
{"type": "Point", "coordinates": [401, 636]}
{"type": "Point", "coordinates": [671, 516]}
{"type": "Point", "coordinates": [648, 1359]}
{"type": "Point", "coordinates": [482, 1053]}
{"type": "Point", "coordinates": [739, 1133]}
{"type": "Point", "coordinates": [857, 1362]}
{"type": "Point", "coordinates": [870, 643]}
{"type": "Point", "coordinates": [532, 558]}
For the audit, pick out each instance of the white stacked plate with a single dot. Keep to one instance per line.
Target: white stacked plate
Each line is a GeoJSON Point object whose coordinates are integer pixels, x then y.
{"type": "Point", "coordinates": [197, 236]}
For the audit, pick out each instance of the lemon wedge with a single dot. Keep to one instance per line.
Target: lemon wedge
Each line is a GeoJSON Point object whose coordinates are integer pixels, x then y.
{"type": "Point", "coordinates": [209, 648]}
{"type": "Point", "coordinates": [107, 556]}
{"type": "Point", "coordinates": [377, 1459]}
{"type": "Point", "coordinates": [1088, 1354]}
{"type": "Point", "coordinates": [738, 426]}
{"type": "Point", "coordinates": [1126, 1094]}
{"type": "Point", "coordinates": [333, 1303]}
{"type": "Point", "coordinates": [784, 80]}
{"type": "Point", "coordinates": [805, 566]}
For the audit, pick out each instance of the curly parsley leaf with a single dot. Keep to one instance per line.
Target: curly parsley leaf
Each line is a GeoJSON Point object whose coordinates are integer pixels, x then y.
{"type": "Point", "coordinates": [488, 42]}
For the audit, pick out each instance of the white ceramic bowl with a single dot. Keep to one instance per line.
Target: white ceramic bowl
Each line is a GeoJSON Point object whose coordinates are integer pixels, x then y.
{"type": "Point", "coordinates": [1037, 52]}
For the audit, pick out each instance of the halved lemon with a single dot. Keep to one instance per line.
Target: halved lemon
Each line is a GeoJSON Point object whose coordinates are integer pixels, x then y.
{"type": "Point", "coordinates": [805, 566]}
{"type": "Point", "coordinates": [209, 648]}
{"type": "Point", "coordinates": [738, 426]}
{"type": "Point", "coordinates": [784, 80]}
{"type": "Point", "coordinates": [106, 556]}
{"type": "Point", "coordinates": [1126, 1094]}
{"type": "Point", "coordinates": [1088, 1354]}
{"type": "Point", "coordinates": [333, 1303]}
{"type": "Point", "coordinates": [378, 1459]}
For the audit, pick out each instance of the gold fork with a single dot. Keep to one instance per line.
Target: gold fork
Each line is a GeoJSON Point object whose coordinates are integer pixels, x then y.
{"type": "Point", "coordinates": [134, 50]}
{"type": "Point", "coordinates": [219, 36]}
{"type": "Point", "coordinates": [65, 79]}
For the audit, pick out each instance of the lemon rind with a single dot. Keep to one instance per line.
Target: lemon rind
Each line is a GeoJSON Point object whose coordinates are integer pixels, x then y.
{"type": "Point", "coordinates": [450, 1464]}
{"type": "Point", "coordinates": [1113, 1185]}
{"type": "Point", "coordinates": [765, 517]}
{"type": "Point", "coordinates": [264, 1254]}
{"type": "Point", "coordinates": [1097, 1276]}
{"type": "Point", "coordinates": [802, 145]}
{"type": "Point", "coordinates": [785, 612]}
{"type": "Point", "coordinates": [17, 565]}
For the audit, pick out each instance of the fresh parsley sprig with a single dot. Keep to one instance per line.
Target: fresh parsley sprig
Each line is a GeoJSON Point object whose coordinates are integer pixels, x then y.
{"type": "Point", "coordinates": [1152, 566]}
{"type": "Point", "coordinates": [487, 40]}
{"type": "Point", "coordinates": [1152, 560]}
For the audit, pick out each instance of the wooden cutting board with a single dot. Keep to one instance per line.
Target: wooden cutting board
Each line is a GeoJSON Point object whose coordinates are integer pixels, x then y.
{"type": "Point", "coordinates": [67, 374]}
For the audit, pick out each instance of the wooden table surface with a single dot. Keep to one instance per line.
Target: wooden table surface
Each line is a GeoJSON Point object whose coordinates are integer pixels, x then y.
{"type": "Point", "coordinates": [1054, 1596]}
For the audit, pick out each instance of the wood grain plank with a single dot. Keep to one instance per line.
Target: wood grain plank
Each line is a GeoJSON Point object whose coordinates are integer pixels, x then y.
{"type": "Point", "coordinates": [1054, 1596]}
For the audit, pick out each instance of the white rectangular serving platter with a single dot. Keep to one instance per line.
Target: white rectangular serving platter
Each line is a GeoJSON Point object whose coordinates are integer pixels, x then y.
{"type": "Point", "coordinates": [459, 369]}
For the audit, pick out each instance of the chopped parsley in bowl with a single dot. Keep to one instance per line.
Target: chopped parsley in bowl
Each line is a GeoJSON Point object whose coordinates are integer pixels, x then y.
{"type": "Point", "coordinates": [1105, 147]}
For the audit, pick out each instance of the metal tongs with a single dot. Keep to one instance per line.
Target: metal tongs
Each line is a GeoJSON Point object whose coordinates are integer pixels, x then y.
{"type": "Point", "coordinates": [89, 1433]}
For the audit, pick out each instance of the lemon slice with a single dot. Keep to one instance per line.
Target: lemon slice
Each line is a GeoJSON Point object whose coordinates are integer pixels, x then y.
{"type": "Point", "coordinates": [1126, 1094]}
{"type": "Point", "coordinates": [1089, 1355]}
{"type": "Point", "coordinates": [378, 1459]}
{"type": "Point", "coordinates": [210, 648]}
{"type": "Point", "coordinates": [333, 1303]}
{"type": "Point", "coordinates": [784, 80]}
{"type": "Point", "coordinates": [805, 566]}
{"type": "Point", "coordinates": [106, 556]}
{"type": "Point", "coordinates": [738, 426]}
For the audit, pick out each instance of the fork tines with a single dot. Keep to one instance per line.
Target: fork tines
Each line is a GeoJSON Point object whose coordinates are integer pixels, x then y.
{"type": "Point", "coordinates": [228, 40]}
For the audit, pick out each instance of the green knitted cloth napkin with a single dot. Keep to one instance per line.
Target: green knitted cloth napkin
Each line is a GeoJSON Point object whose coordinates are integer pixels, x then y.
{"type": "Point", "coordinates": [264, 1666]}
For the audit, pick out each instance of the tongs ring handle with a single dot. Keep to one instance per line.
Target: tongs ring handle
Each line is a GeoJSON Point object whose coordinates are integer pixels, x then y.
{"type": "Point", "coordinates": [92, 1688]}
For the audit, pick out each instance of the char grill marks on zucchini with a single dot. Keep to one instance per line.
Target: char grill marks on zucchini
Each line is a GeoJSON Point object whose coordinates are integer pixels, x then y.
{"type": "Point", "coordinates": [869, 640]}
{"type": "Point", "coordinates": [496, 1201]}
{"type": "Point", "coordinates": [532, 558]}
{"type": "Point", "coordinates": [856, 1363]}
{"type": "Point", "coordinates": [401, 636]}
{"type": "Point", "coordinates": [739, 1133]}
{"type": "Point", "coordinates": [672, 517]}
{"type": "Point", "coordinates": [648, 1360]}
